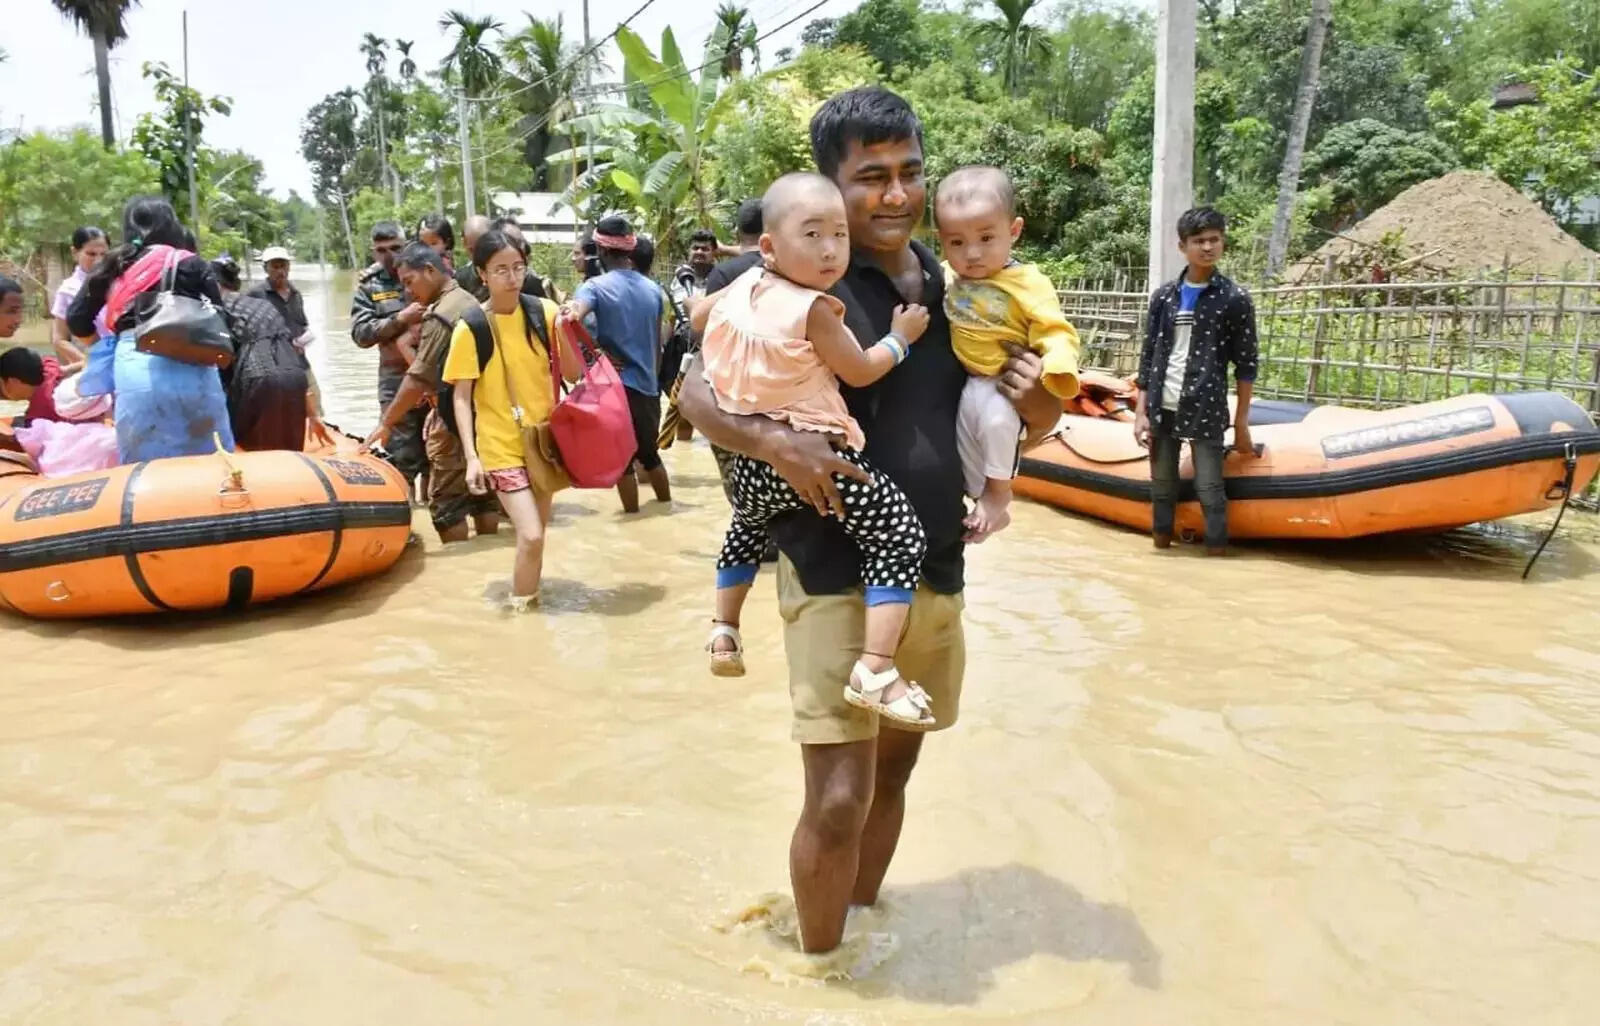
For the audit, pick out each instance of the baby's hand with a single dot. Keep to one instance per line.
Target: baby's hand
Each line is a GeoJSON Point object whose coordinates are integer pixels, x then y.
{"type": "Point", "coordinates": [910, 321]}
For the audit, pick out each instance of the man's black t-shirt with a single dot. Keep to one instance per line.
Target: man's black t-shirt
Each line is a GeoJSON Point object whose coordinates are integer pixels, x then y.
{"type": "Point", "coordinates": [723, 274]}
{"type": "Point", "coordinates": [909, 418]}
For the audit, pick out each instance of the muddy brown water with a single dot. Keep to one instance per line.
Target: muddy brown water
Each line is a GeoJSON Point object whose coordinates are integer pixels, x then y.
{"type": "Point", "coordinates": [1337, 784]}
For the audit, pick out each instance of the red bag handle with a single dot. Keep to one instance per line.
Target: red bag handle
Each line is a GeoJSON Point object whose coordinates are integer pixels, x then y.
{"type": "Point", "coordinates": [581, 340]}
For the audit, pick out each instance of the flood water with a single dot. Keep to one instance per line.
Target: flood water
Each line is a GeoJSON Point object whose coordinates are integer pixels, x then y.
{"type": "Point", "coordinates": [1347, 784]}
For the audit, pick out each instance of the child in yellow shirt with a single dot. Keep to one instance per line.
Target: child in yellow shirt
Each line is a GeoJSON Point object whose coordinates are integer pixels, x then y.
{"type": "Point", "coordinates": [992, 300]}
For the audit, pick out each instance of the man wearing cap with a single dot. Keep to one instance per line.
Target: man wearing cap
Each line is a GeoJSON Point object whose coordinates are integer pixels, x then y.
{"type": "Point", "coordinates": [278, 291]}
{"type": "Point", "coordinates": [628, 311]}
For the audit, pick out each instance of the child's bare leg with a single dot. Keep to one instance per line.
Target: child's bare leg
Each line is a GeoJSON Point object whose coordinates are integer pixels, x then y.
{"type": "Point", "coordinates": [992, 512]}
{"type": "Point", "coordinates": [886, 622]}
{"type": "Point", "coordinates": [730, 603]}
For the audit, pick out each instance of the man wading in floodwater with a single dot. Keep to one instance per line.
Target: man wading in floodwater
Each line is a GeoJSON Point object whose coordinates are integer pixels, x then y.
{"type": "Point", "coordinates": [870, 143]}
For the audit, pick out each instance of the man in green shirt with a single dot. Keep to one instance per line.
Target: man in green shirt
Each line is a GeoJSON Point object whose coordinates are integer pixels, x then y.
{"type": "Point", "coordinates": [422, 272]}
{"type": "Point", "coordinates": [381, 317]}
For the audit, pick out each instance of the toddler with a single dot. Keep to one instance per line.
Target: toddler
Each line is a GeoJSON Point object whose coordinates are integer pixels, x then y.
{"type": "Point", "coordinates": [776, 345]}
{"type": "Point", "coordinates": [993, 300]}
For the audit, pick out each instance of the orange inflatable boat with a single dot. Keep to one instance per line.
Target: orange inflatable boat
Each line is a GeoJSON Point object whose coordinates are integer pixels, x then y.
{"type": "Point", "coordinates": [195, 532]}
{"type": "Point", "coordinates": [1332, 472]}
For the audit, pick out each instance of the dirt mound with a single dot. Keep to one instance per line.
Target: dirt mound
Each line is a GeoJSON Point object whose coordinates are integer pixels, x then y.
{"type": "Point", "coordinates": [1461, 223]}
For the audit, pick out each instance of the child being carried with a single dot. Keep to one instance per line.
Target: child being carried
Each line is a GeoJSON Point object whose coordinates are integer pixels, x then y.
{"type": "Point", "coordinates": [994, 301]}
{"type": "Point", "coordinates": [776, 345]}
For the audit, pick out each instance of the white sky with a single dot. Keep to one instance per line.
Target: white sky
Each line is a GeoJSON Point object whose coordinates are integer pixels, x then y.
{"type": "Point", "coordinates": [276, 58]}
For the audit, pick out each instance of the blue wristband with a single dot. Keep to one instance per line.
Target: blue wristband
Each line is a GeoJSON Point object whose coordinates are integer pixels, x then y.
{"type": "Point", "coordinates": [896, 345]}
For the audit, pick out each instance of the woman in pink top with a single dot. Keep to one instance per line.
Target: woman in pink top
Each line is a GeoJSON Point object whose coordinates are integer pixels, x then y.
{"type": "Point", "coordinates": [776, 345]}
{"type": "Point", "coordinates": [88, 246]}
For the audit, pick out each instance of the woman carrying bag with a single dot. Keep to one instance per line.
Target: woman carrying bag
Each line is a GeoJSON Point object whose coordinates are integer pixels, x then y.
{"type": "Point", "coordinates": [154, 291]}
{"type": "Point", "coordinates": [503, 395]}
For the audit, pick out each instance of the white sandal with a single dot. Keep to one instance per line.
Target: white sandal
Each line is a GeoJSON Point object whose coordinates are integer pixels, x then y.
{"type": "Point", "coordinates": [913, 707]}
{"type": "Point", "coordinates": [726, 664]}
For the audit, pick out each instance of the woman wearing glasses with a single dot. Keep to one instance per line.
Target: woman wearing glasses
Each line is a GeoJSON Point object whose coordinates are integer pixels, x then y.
{"type": "Point", "coordinates": [501, 394]}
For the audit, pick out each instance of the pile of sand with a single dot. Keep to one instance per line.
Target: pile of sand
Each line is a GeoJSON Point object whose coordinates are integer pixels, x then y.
{"type": "Point", "coordinates": [1462, 223]}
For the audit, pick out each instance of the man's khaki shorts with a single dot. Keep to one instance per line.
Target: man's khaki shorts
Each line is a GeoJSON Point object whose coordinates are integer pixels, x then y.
{"type": "Point", "coordinates": [823, 636]}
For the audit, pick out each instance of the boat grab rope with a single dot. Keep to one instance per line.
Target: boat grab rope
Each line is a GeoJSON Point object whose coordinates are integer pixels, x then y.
{"type": "Point", "coordinates": [1571, 461]}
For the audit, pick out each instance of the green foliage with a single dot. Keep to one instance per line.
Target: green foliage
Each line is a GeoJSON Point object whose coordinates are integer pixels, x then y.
{"type": "Point", "coordinates": [239, 216]}
{"type": "Point", "coordinates": [1019, 44]}
{"type": "Point", "coordinates": [1367, 163]}
{"type": "Point", "coordinates": [1547, 147]}
{"type": "Point", "coordinates": [543, 68]}
{"type": "Point", "coordinates": [471, 62]}
{"type": "Point", "coordinates": [51, 183]}
{"type": "Point", "coordinates": [1097, 52]}
{"type": "Point", "coordinates": [738, 36]}
{"type": "Point", "coordinates": [765, 135]}
{"type": "Point", "coordinates": [1063, 100]}
{"type": "Point", "coordinates": [162, 136]}
{"type": "Point", "coordinates": [656, 151]}
{"type": "Point", "coordinates": [894, 32]}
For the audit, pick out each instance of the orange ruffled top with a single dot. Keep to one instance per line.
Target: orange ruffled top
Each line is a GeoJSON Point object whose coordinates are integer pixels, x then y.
{"type": "Point", "coordinates": [758, 360]}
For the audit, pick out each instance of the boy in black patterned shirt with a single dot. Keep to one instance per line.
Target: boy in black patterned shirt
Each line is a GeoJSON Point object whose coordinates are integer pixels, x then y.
{"type": "Point", "coordinates": [1198, 325]}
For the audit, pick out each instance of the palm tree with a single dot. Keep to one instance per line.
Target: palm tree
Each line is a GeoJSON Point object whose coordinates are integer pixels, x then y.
{"type": "Point", "coordinates": [102, 21]}
{"type": "Point", "coordinates": [739, 32]}
{"type": "Point", "coordinates": [1019, 43]}
{"type": "Point", "coordinates": [471, 61]}
{"type": "Point", "coordinates": [544, 70]}
{"type": "Point", "coordinates": [373, 47]}
{"type": "Point", "coordinates": [408, 67]}
{"type": "Point", "coordinates": [1299, 123]}
{"type": "Point", "coordinates": [473, 64]}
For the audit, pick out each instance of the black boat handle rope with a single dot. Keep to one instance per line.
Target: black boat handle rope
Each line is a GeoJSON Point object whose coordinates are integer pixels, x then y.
{"type": "Point", "coordinates": [1571, 461]}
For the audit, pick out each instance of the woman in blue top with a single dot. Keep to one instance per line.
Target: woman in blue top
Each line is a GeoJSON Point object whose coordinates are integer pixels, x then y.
{"type": "Point", "coordinates": [165, 407]}
{"type": "Point", "coordinates": [628, 312]}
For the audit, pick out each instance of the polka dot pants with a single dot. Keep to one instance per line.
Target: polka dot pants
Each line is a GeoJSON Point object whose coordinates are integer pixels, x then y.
{"type": "Point", "coordinates": [878, 518]}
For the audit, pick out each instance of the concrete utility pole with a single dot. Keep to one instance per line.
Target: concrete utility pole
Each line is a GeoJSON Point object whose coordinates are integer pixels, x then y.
{"type": "Point", "coordinates": [588, 84]}
{"type": "Point", "coordinates": [1172, 173]}
{"type": "Point", "coordinates": [188, 133]}
{"type": "Point", "coordinates": [467, 189]}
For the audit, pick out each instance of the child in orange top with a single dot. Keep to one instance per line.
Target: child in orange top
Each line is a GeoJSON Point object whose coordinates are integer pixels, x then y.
{"type": "Point", "coordinates": [773, 346]}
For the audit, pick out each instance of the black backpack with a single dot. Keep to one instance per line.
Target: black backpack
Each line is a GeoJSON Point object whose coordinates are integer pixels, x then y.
{"type": "Point", "coordinates": [478, 323]}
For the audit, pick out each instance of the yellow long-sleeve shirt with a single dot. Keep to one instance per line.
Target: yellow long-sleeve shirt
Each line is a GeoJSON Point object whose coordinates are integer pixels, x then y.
{"type": "Point", "coordinates": [1017, 305]}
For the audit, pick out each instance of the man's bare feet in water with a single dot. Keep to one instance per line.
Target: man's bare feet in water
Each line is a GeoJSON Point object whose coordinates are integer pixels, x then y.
{"type": "Point", "coordinates": [991, 513]}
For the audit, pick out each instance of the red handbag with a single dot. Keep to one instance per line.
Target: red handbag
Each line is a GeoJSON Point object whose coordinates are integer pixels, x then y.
{"type": "Point", "coordinates": [591, 423]}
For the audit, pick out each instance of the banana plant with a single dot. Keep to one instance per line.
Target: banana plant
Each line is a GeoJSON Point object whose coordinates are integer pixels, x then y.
{"type": "Point", "coordinates": [653, 149]}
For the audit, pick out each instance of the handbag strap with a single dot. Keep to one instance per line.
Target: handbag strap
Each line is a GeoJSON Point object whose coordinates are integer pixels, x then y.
{"type": "Point", "coordinates": [582, 343]}
{"type": "Point", "coordinates": [505, 372]}
{"type": "Point", "coordinates": [169, 270]}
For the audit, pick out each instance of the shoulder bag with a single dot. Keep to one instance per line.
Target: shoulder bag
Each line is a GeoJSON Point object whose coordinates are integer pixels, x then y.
{"type": "Point", "coordinates": [178, 327]}
{"type": "Point", "coordinates": [591, 424]}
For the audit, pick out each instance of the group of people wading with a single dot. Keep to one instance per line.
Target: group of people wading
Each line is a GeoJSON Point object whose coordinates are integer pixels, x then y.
{"type": "Point", "coordinates": [858, 393]}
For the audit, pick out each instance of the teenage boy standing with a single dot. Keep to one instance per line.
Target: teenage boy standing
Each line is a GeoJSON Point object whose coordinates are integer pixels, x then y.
{"type": "Point", "coordinates": [1198, 325]}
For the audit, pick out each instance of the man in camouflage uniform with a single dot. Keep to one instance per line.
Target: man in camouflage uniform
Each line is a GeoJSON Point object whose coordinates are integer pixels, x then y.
{"type": "Point", "coordinates": [381, 316]}
{"type": "Point", "coordinates": [449, 501]}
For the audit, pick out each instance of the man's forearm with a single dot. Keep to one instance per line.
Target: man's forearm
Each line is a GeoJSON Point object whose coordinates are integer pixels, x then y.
{"type": "Point", "coordinates": [749, 435]}
{"type": "Point", "coordinates": [406, 397]}
{"type": "Point", "coordinates": [1246, 390]}
{"type": "Point", "coordinates": [370, 331]}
